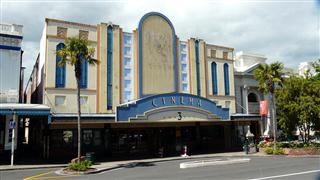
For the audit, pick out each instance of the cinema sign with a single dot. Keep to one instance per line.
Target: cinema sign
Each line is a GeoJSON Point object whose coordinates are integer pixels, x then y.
{"type": "Point", "coordinates": [169, 101]}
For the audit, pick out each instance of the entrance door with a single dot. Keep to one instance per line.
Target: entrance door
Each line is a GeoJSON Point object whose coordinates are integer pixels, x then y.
{"type": "Point", "coordinates": [165, 139]}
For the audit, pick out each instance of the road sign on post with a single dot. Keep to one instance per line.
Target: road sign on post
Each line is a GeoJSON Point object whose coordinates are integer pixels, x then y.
{"type": "Point", "coordinates": [12, 124]}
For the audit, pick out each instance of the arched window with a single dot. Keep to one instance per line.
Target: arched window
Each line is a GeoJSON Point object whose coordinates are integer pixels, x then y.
{"type": "Point", "coordinates": [214, 78]}
{"type": "Point", "coordinates": [226, 79]}
{"type": "Point", "coordinates": [252, 97]}
{"type": "Point", "coordinates": [60, 70]}
{"type": "Point", "coordinates": [84, 74]}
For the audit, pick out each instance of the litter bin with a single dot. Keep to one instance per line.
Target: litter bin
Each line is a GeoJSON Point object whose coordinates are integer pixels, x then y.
{"type": "Point", "coordinates": [90, 157]}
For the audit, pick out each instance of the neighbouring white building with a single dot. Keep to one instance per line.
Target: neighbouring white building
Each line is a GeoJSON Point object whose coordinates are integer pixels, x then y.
{"type": "Point", "coordinates": [304, 67]}
{"type": "Point", "coordinates": [12, 112]}
{"type": "Point", "coordinates": [246, 87]}
{"type": "Point", "coordinates": [10, 63]}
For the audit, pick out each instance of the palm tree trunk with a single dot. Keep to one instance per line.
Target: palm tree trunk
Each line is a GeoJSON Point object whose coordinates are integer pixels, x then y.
{"type": "Point", "coordinates": [79, 115]}
{"type": "Point", "coordinates": [274, 121]}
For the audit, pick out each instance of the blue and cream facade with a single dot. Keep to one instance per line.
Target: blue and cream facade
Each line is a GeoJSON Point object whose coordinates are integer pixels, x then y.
{"type": "Point", "coordinates": [148, 84]}
{"type": "Point", "coordinates": [10, 76]}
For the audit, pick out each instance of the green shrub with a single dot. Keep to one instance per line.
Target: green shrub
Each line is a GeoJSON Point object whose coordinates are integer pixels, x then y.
{"type": "Point", "coordinates": [261, 144]}
{"type": "Point", "coordinates": [279, 151]}
{"type": "Point", "coordinates": [268, 150]}
{"type": "Point", "coordinates": [80, 166]}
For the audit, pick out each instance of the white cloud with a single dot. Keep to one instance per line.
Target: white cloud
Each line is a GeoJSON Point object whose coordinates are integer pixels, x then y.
{"type": "Point", "coordinates": [288, 32]}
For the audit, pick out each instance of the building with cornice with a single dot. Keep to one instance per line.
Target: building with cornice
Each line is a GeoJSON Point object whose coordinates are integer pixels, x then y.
{"type": "Point", "coordinates": [150, 91]}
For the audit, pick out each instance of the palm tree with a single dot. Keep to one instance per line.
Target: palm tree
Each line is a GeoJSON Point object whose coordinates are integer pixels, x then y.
{"type": "Point", "coordinates": [269, 76]}
{"type": "Point", "coordinates": [76, 52]}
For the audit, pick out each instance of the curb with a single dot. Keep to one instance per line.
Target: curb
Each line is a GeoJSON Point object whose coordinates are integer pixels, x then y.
{"type": "Point", "coordinates": [32, 167]}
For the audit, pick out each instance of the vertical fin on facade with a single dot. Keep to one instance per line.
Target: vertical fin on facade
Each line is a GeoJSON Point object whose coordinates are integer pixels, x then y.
{"type": "Point", "coordinates": [198, 67]}
{"type": "Point", "coordinates": [109, 66]}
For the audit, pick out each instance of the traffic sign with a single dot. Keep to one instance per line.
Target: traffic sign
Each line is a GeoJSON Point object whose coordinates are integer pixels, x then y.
{"type": "Point", "coordinates": [12, 124]}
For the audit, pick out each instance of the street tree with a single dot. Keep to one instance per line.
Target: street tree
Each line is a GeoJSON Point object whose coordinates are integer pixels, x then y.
{"type": "Point", "coordinates": [268, 77]}
{"type": "Point", "coordinates": [298, 106]}
{"type": "Point", "coordinates": [76, 51]}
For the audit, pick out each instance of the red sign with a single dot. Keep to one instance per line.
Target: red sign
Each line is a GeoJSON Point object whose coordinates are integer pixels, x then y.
{"type": "Point", "coordinates": [264, 108]}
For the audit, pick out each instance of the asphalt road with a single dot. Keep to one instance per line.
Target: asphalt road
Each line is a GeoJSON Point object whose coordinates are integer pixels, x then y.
{"type": "Point", "coordinates": [258, 168]}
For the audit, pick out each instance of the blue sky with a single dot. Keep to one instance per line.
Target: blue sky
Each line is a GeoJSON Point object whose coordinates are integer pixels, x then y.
{"type": "Point", "coordinates": [287, 31]}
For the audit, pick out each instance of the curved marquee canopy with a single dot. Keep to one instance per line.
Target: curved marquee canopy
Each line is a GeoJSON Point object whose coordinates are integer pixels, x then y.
{"type": "Point", "coordinates": [140, 107]}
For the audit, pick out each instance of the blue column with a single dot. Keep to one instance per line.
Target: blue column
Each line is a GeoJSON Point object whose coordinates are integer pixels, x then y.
{"type": "Point", "coordinates": [198, 67]}
{"type": "Point", "coordinates": [109, 66]}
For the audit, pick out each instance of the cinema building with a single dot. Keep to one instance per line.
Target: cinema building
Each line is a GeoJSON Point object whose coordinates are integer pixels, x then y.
{"type": "Point", "coordinates": [151, 90]}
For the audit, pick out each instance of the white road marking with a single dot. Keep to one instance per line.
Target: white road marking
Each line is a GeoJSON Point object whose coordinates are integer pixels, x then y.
{"type": "Point", "coordinates": [201, 163]}
{"type": "Point", "coordinates": [286, 175]}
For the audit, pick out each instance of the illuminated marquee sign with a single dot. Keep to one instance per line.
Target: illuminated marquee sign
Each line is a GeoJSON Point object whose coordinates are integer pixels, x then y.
{"type": "Point", "coordinates": [148, 104]}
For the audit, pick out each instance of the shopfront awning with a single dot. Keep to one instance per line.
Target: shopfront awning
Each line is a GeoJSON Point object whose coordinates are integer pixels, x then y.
{"type": "Point", "coordinates": [27, 110]}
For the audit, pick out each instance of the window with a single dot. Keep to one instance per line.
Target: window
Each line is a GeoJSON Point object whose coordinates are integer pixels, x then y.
{"type": "Point", "coordinates": [184, 87]}
{"type": "Point", "coordinates": [252, 97]}
{"type": "Point", "coordinates": [214, 78]}
{"type": "Point", "coordinates": [184, 78]}
{"type": "Point", "coordinates": [127, 84]}
{"type": "Point", "coordinates": [60, 70]}
{"type": "Point", "coordinates": [84, 74]}
{"type": "Point", "coordinates": [184, 81]}
{"type": "Point", "coordinates": [62, 32]}
{"type": "Point", "coordinates": [226, 79]}
{"type": "Point", "coordinates": [213, 53]}
{"type": "Point", "coordinates": [183, 57]}
{"type": "Point", "coordinates": [83, 34]}
{"type": "Point", "coordinates": [83, 100]}
{"type": "Point", "coordinates": [183, 47]}
{"type": "Point", "coordinates": [227, 104]}
{"type": "Point", "coordinates": [60, 100]}
{"type": "Point", "coordinates": [127, 39]}
{"type": "Point", "coordinates": [87, 137]}
{"type": "Point", "coordinates": [225, 55]}
{"type": "Point", "coordinates": [127, 61]}
{"type": "Point", "coordinates": [184, 68]}
{"type": "Point", "coordinates": [97, 138]}
{"type": "Point", "coordinates": [127, 95]}
{"type": "Point", "coordinates": [127, 51]}
{"type": "Point", "coordinates": [67, 137]}
{"type": "Point", "coordinates": [127, 73]}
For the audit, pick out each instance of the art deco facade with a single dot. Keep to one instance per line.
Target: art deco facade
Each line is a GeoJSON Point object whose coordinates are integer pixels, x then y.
{"type": "Point", "coordinates": [149, 85]}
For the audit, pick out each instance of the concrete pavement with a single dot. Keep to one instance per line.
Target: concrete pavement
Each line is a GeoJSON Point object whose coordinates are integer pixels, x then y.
{"type": "Point", "coordinates": [103, 166]}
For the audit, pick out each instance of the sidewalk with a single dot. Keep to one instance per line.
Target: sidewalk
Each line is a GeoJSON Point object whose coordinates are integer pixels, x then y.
{"type": "Point", "coordinates": [104, 166]}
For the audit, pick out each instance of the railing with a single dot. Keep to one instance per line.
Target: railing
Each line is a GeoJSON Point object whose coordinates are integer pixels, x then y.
{"type": "Point", "coordinates": [253, 107]}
